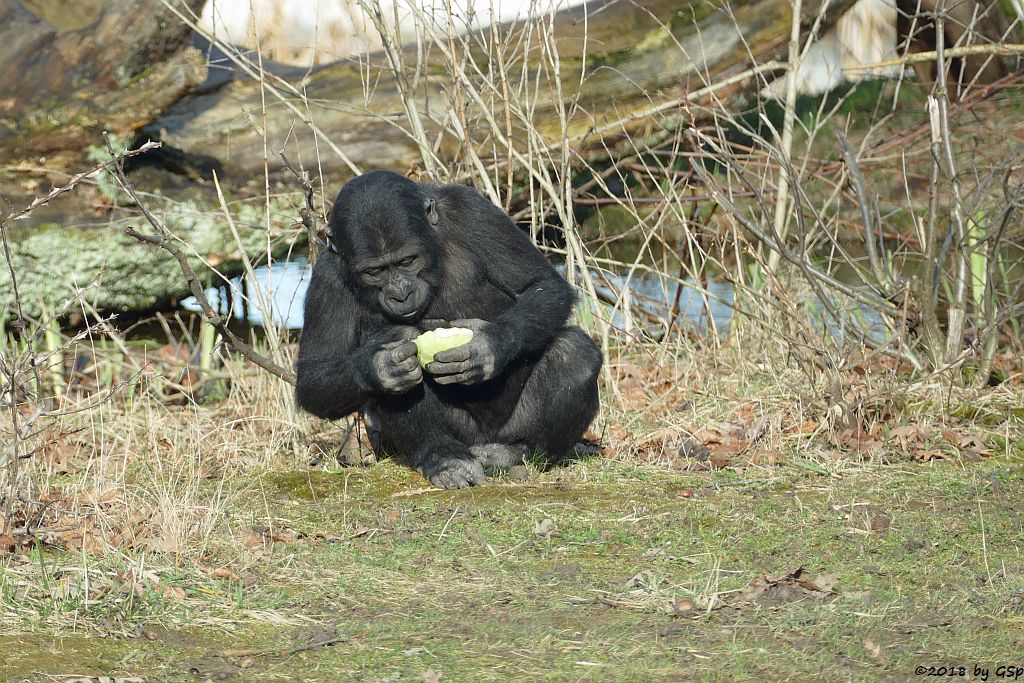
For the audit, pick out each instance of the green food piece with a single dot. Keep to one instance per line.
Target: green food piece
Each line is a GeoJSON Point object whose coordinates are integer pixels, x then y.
{"type": "Point", "coordinates": [442, 339]}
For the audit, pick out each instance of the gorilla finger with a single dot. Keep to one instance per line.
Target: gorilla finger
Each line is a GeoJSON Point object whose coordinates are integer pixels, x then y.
{"type": "Point", "coordinates": [402, 386]}
{"type": "Point", "coordinates": [472, 472]}
{"type": "Point", "coordinates": [472, 476]}
{"type": "Point", "coordinates": [407, 365]}
{"type": "Point", "coordinates": [460, 378]}
{"type": "Point", "coordinates": [448, 480]}
{"type": "Point", "coordinates": [410, 380]}
{"type": "Point", "coordinates": [403, 351]}
{"type": "Point", "coordinates": [442, 369]}
{"type": "Point", "coordinates": [459, 353]}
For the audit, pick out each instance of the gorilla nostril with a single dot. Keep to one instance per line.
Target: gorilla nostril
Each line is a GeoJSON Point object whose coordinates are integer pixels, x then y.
{"type": "Point", "coordinates": [401, 297]}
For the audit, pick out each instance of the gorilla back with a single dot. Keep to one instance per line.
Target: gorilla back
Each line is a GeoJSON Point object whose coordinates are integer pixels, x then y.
{"type": "Point", "coordinates": [406, 258]}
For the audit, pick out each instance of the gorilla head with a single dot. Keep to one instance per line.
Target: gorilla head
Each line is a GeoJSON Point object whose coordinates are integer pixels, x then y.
{"type": "Point", "coordinates": [381, 227]}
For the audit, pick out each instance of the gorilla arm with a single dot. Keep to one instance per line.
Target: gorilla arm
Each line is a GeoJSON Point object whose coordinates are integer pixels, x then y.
{"type": "Point", "coordinates": [542, 299]}
{"type": "Point", "coordinates": [336, 375]}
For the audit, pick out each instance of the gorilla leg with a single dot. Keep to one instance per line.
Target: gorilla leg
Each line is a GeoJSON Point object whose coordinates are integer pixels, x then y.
{"type": "Point", "coordinates": [559, 399]}
{"type": "Point", "coordinates": [453, 449]}
{"type": "Point", "coordinates": [428, 435]}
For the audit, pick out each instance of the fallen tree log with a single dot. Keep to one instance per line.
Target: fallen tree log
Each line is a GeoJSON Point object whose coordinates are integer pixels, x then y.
{"type": "Point", "coordinates": [621, 69]}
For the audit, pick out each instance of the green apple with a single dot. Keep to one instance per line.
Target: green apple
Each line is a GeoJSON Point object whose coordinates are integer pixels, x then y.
{"type": "Point", "coordinates": [441, 339]}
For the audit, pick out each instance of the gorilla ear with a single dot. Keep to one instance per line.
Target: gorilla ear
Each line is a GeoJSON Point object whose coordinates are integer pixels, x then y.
{"type": "Point", "coordinates": [330, 241]}
{"type": "Point", "coordinates": [431, 208]}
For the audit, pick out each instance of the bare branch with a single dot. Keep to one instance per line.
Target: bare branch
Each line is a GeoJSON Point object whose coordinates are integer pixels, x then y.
{"type": "Point", "coordinates": [161, 239]}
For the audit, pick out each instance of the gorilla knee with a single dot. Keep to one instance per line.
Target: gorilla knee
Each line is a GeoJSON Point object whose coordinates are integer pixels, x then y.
{"type": "Point", "coordinates": [580, 349]}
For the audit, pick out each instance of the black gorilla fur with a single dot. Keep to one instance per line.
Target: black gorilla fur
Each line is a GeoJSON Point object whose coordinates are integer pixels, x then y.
{"type": "Point", "coordinates": [406, 258]}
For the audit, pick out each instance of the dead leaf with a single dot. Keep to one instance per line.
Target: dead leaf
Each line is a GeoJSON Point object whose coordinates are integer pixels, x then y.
{"type": "Point", "coordinates": [161, 544]}
{"type": "Point", "coordinates": [545, 527]}
{"type": "Point", "coordinates": [874, 650]}
{"type": "Point", "coordinates": [765, 458]}
{"type": "Point", "coordinates": [725, 454]}
{"type": "Point", "coordinates": [927, 455]}
{"type": "Point", "coordinates": [220, 573]}
{"type": "Point", "coordinates": [278, 534]}
{"type": "Point", "coordinates": [98, 496]}
{"type": "Point", "coordinates": [414, 492]}
{"type": "Point", "coordinates": [775, 590]}
{"type": "Point", "coordinates": [805, 427]}
{"type": "Point", "coordinates": [8, 544]}
{"type": "Point", "coordinates": [824, 583]}
{"type": "Point", "coordinates": [691, 448]}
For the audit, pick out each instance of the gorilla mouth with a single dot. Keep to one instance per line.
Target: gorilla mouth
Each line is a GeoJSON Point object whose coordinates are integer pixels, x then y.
{"type": "Point", "coordinates": [403, 310]}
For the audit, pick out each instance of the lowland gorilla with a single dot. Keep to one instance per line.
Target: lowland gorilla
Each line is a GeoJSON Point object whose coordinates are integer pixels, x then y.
{"type": "Point", "coordinates": [406, 258]}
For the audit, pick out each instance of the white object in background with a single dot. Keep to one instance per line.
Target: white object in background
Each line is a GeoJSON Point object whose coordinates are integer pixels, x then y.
{"type": "Point", "coordinates": [305, 32]}
{"type": "Point", "coordinates": [866, 34]}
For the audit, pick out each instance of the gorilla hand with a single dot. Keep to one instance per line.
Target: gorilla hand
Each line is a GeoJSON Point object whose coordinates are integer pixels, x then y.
{"type": "Point", "coordinates": [394, 367]}
{"type": "Point", "coordinates": [478, 360]}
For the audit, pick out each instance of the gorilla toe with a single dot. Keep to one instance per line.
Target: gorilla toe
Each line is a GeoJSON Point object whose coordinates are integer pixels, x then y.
{"type": "Point", "coordinates": [454, 473]}
{"type": "Point", "coordinates": [496, 457]}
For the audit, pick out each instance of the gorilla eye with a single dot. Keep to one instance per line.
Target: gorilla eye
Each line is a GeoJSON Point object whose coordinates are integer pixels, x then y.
{"type": "Point", "coordinates": [374, 272]}
{"type": "Point", "coordinates": [407, 261]}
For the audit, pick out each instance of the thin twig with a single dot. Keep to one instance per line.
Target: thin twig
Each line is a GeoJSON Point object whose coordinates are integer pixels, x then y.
{"type": "Point", "coordinates": [994, 49]}
{"type": "Point", "coordinates": [12, 387]}
{"type": "Point", "coordinates": [686, 199]}
{"type": "Point", "coordinates": [79, 177]}
{"type": "Point", "coordinates": [308, 213]}
{"type": "Point", "coordinates": [271, 651]}
{"type": "Point", "coordinates": [865, 209]}
{"type": "Point", "coordinates": [162, 240]}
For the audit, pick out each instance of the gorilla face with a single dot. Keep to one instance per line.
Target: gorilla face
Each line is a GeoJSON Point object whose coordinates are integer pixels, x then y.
{"type": "Point", "coordinates": [381, 228]}
{"type": "Point", "coordinates": [402, 294]}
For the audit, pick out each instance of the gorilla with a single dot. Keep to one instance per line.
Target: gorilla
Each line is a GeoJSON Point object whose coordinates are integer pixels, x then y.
{"type": "Point", "coordinates": [405, 258]}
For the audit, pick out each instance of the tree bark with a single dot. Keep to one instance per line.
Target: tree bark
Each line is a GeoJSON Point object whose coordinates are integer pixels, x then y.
{"type": "Point", "coordinates": [59, 90]}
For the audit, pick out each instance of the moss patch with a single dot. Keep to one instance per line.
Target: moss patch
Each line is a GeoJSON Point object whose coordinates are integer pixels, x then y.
{"type": "Point", "coordinates": [54, 260]}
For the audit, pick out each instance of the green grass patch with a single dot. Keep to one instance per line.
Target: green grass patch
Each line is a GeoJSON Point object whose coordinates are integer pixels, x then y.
{"type": "Point", "coordinates": [576, 574]}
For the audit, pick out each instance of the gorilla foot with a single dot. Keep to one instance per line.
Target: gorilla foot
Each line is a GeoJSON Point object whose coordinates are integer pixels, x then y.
{"type": "Point", "coordinates": [497, 457]}
{"type": "Point", "coordinates": [453, 473]}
